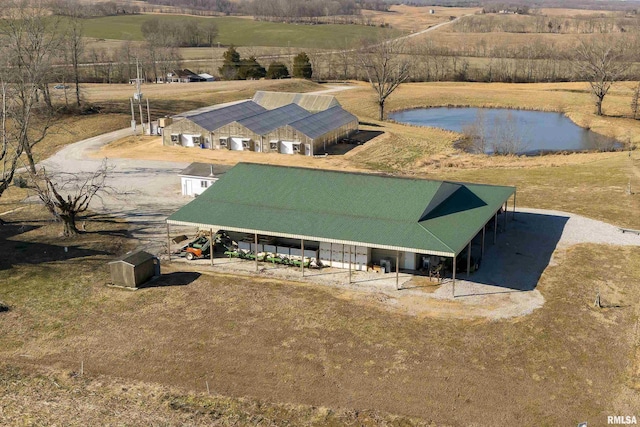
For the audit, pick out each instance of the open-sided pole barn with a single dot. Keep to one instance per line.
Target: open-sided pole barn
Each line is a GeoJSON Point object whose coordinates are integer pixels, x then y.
{"type": "Point", "coordinates": [352, 220]}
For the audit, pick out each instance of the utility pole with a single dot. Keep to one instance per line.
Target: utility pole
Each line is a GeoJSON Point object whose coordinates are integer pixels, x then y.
{"type": "Point", "coordinates": [138, 97]}
{"type": "Point", "coordinates": [133, 117]}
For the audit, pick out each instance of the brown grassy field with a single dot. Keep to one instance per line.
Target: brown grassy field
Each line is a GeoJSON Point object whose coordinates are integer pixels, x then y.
{"type": "Point", "coordinates": [278, 341]}
{"type": "Point", "coordinates": [411, 18]}
{"type": "Point", "coordinates": [259, 341]}
{"type": "Point", "coordinates": [75, 128]}
{"type": "Point", "coordinates": [169, 99]}
{"type": "Point", "coordinates": [66, 398]}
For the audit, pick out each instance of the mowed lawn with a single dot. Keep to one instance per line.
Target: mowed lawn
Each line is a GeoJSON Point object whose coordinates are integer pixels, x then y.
{"type": "Point", "coordinates": [244, 32]}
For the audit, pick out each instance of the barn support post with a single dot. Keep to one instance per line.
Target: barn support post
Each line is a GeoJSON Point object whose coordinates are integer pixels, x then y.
{"type": "Point", "coordinates": [211, 244]}
{"type": "Point", "coordinates": [495, 227]}
{"type": "Point", "coordinates": [330, 254]}
{"type": "Point", "coordinates": [349, 264]}
{"type": "Point", "coordinates": [469, 259]}
{"type": "Point", "coordinates": [505, 215]}
{"type": "Point", "coordinates": [302, 263]}
{"type": "Point", "coordinates": [514, 206]}
{"type": "Point", "coordinates": [168, 242]}
{"type": "Point", "coordinates": [453, 293]}
{"type": "Point", "coordinates": [256, 252]}
{"type": "Point", "coordinates": [484, 227]}
{"type": "Point", "coordinates": [398, 270]}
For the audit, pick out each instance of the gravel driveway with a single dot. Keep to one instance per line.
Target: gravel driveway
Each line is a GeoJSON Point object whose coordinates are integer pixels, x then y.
{"type": "Point", "coordinates": [145, 192]}
{"type": "Point", "coordinates": [149, 191]}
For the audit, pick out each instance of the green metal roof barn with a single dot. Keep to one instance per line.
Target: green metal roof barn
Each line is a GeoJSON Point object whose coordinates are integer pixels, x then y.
{"type": "Point", "coordinates": [402, 214]}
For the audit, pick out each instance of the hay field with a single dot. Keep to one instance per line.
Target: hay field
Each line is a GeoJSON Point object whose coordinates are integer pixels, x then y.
{"type": "Point", "coordinates": [414, 18]}
{"type": "Point", "coordinates": [576, 12]}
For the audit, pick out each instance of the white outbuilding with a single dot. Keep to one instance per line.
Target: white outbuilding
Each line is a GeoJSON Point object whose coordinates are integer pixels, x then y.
{"type": "Point", "coordinates": [197, 177]}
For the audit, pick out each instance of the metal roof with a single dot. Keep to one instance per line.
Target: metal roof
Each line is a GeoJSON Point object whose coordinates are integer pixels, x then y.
{"type": "Point", "coordinates": [418, 215]}
{"type": "Point", "coordinates": [325, 121]}
{"type": "Point", "coordinates": [214, 119]}
{"type": "Point", "coordinates": [135, 258]}
{"type": "Point", "coordinates": [273, 119]}
{"type": "Point", "coordinates": [204, 170]}
{"type": "Point", "coordinates": [309, 102]}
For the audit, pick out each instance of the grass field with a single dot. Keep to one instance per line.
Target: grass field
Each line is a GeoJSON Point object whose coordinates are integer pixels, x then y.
{"type": "Point", "coordinates": [169, 99]}
{"type": "Point", "coordinates": [101, 400]}
{"type": "Point", "coordinates": [281, 341]}
{"type": "Point", "coordinates": [411, 18]}
{"type": "Point", "coordinates": [244, 32]}
{"type": "Point", "coordinates": [257, 342]}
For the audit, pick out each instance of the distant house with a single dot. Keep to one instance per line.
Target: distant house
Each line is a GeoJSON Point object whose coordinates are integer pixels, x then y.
{"type": "Point", "coordinates": [183, 76]}
{"type": "Point", "coordinates": [197, 177]}
{"type": "Point", "coordinates": [206, 77]}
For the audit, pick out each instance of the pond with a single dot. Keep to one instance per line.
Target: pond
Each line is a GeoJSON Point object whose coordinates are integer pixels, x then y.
{"type": "Point", "coordinates": [503, 131]}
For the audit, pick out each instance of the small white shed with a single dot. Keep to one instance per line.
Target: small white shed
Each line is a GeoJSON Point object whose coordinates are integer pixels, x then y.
{"type": "Point", "coordinates": [197, 177]}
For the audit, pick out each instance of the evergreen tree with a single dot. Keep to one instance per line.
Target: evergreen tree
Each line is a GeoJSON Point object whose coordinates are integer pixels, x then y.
{"type": "Point", "coordinates": [251, 69]}
{"type": "Point", "coordinates": [277, 70]}
{"type": "Point", "coordinates": [231, 64]}
{"type": "Point", "coordinates": [302, 66]}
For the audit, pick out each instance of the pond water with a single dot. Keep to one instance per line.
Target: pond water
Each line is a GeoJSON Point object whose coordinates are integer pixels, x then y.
{"type": "Point", "coordinates": [502, 131]}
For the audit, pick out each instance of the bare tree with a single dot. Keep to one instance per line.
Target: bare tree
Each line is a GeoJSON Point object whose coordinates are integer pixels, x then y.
{"type": "Point", "coordinates": [29, 38]}
{"type": "Point", "coordinates": [66, 195]}
{"type": "Point", "coordinates": [635, 101]}
{"type": "Point", "coordinates": [385, 67]}
{"type": "Point", "coordinates": [10, 150]}
{"type": "Point", "coordinates": [600, 61]}
{"type": "Point", "coordinates": [75, 43]}
{"type": "Point", "coordinates": [475, 134]}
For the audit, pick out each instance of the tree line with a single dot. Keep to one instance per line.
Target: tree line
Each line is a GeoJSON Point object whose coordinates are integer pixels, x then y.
{"type": "Point", "coordinates": [534, 23]}
{"type": "Point", "coordinates": [27, 111]}
{"type": "Point", "coordinates": [236, 68]}
{"type": "Point", "coordinates": [225, 7]}
{"type": "Point", "coordinates": [289, 10]}
{"type": "Point", "coordinates": [93, 9]}
{"type": "Point", "coordinates": [179, 32]}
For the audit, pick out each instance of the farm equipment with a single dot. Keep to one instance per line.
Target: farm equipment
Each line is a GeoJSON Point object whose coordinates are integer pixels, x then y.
{"type": "Point", "coordinates": [200, 247]}
{"type": "Point", "coordinates": [272, 258]}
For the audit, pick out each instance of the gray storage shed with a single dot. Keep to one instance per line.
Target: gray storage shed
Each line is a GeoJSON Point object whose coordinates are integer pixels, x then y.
{"type": "Point", "coordinates": [134, 269]}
